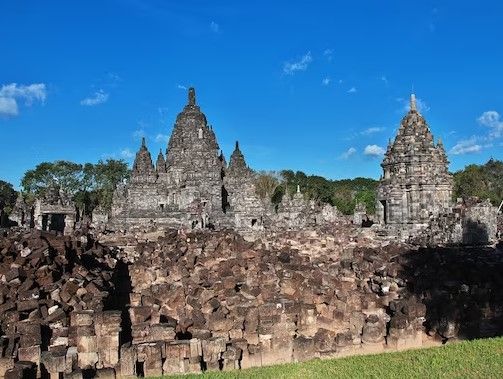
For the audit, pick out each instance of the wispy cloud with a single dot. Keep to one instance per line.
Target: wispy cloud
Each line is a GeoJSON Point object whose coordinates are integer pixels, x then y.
{"type": "Point", "coordinates": [374, 151]}
{"type": "Point", "coordinates": [384, 79]}
{"type": "Point", "coordinates": [349, 153]}
{"type": "Point", "coordinates": [8, 106]}
{"type": "Point", "coordinates": [161, 138]}
{"type": "Point", "coordinates": [99, 97]}
{"type": "Point", "coordinates": [11, 93]}
{"type": "Point", "coordinates": [126, 153]}
{"type": "Point", "coordinates": [352, 90]}
{"type": "Point", "coordinates": [372, 130]}
{"type": "Point", "coordinates": [328, 53]}
{"type": "Point", "coordinates": [139, 133]}
{"type": "Point", "coordinates": [476, 143]}
{"type": "Point", "coordinates": [179, 86]}
{"type": "Point", "coordinates": [326, 81]}
{"type": "Point", "coordinates": [215, 28]}
{"type": "Point", "coordinates": [290, 68]}
{"type": "Point", "coordinates": [466, 146]}
{"type": "Point", "coordinates": [492, 120]}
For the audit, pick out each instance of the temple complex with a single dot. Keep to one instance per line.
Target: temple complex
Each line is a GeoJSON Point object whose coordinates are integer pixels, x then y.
{"type": "Point", "coordinates": [192, 186]}
{"type": "Point", "coordinates": [416, 183]}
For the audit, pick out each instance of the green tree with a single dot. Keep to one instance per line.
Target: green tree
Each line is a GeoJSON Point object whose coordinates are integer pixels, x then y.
{"type": "Point", "coordinates": [65, 175]}
{"type": "Point", "coordinates": [7, 200]}
{"type": "Point", "coordinates": [483, 181]}
{"type": "Point", "coordinates": [89, 185]}
{"type": "Point", "coordinates": [108, 175]}
{"type": "Point", "coordinates": [8, 197]}
{"type": "Point", "coordinates": [266, 184]}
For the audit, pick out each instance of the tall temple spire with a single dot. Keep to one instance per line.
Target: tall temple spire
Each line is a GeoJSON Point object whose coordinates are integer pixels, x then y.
{"type": "Point", "coordinates": [143, 144]}
{"type": "Point", "coordinates": [192, 96]}
{"type": "Point", "coordinates": [413, 106]}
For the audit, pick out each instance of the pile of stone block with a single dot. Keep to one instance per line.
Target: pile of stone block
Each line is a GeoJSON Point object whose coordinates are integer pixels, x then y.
{"type": "Point", "coordinates": [45, 280]}
{"type": "Point", "coordinates": [191, 302]}
{"type": "Point", "coordinates": [216, 301]}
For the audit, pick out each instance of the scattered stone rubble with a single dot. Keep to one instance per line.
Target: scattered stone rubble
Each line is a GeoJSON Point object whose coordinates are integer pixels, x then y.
{"type": "Point", "coordinates": [190, 302]}
{"type": "Point", "coordinates": [52, 292]}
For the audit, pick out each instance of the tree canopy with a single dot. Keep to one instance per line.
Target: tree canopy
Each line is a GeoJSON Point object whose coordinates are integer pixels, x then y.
{"type": "Point", "coordinates": [342, 193]}
{"type": "Point", "coordinates": [8, 196]}
{"type": "Point", "coordinates": [89, 185]}
{"type": "Point", "coordinates": [484, 181]}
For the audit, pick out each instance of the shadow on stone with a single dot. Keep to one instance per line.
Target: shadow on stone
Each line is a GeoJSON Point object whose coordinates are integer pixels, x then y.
{"type": "Point", "coordinates": [461, 288]}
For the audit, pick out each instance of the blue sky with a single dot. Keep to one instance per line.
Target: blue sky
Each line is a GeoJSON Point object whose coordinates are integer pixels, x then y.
{"type": "Point", "coordinates": [318, 88]}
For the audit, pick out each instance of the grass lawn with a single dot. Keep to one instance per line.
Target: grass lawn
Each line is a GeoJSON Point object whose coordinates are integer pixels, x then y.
{"type": "Point", "coordinates": [469, 359]}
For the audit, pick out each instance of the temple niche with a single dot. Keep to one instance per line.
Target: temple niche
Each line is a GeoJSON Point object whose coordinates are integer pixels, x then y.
{"type": "Point", "coordinates": [416, 184]}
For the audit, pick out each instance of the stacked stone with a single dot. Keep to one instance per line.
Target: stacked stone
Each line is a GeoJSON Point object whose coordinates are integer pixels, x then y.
{"type": "Point", "coordinates": [44, 279]}
{"type": "Point", "coordinates": [237, 304]}
{"type": "Point", "coordinates": [471, 222]}
{"type": "Point", "coordinates": [416, 183]}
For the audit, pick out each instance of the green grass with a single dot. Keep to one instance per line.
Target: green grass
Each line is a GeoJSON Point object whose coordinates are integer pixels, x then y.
{"type": "Point", "coordinates": [468, 359]}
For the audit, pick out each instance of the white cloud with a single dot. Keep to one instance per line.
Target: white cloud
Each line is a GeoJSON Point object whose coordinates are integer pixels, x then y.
{"type": "Point", "coordinates": [492, 119]}
{"type": "Point", "coordinates": [289, 68]}
{"type": "Point", "coordinates": [215, 28]}
{"type": "Point", "coordinates": [126, 153]}
{"type": "Point", "coordinates": [374, 151]}
{"type": "Point", "coordinates": [326, 81]}
{"type": "Point", "coordinates": [372, 130]}
{"type": "Point", "coordinates": [99, 97]}
{"type": "Point", "coordinates": [11, 93]}
{"type": "Point", "coordinates": [352, 90]}
{"type": "Point", "coordinates": [384, 79]}
{"type": "Point", "coordinates": [179, 86]}
{"type": "Point", "coordinates": [161, 138]}
{"type": "Point", "coordinates": [328, 53]}
{"type": "Point", "coordinates": [8, 106]}
{"type": "Point", "coordinates": [466, 146]}
{"type": "Point", "coordinates": [350, 152]}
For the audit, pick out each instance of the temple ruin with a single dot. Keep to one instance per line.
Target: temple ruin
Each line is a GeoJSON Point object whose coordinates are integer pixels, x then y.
{"type": "Point", "coordinates": [192, 186]}
{"type": "Point", "coordinates": [414, 196]}
{"type": "Point", "coordinates": [416, 182]}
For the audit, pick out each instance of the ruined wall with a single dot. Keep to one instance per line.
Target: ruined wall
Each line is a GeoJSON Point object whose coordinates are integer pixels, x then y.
{"type": "Point", "coordinates": [470, 222]}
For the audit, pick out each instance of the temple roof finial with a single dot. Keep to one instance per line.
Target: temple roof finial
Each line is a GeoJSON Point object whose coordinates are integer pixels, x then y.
{"type": "Point", "coordinates": [192, 96]}
{"type": "Point", "coordinates": [413, 106]}
{"type": "Point", "coordinates": [237, 145]}
{"type": "Point", "coordinates": [143, 144]}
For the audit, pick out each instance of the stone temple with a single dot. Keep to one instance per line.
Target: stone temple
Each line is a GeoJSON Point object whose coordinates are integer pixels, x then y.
{"type": "Point", "coordinates": [416, 184]}
{"type": "Point", "coordinates": [192, 186]}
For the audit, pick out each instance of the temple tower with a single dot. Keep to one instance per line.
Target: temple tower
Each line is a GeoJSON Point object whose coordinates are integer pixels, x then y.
{"type": "Point", "coordinates": [416, 183]}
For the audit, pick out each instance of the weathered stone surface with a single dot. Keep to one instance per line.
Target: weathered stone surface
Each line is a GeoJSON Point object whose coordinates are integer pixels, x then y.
{"type": "Point", "coordinates": [416, 183]}
{"type": "Point", "coordinates": [193, 187]}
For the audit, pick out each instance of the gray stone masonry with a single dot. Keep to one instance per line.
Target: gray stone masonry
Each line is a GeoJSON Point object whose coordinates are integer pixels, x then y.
{"type": "Point", "coordinates": [191, 186]}
{"type": "Point", "coordinates": [415, 183]}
